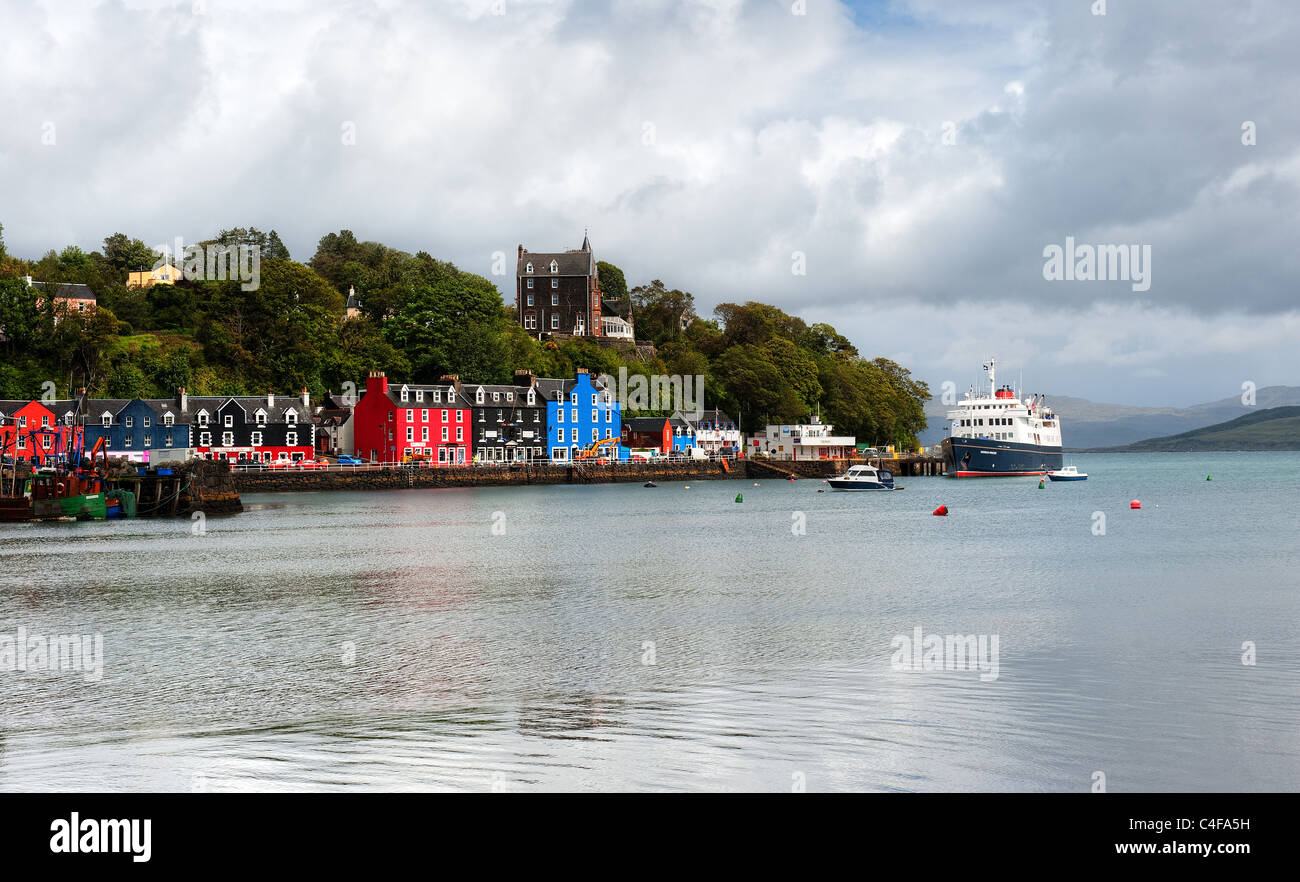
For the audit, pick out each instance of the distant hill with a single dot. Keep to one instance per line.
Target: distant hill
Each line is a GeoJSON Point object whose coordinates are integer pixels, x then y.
{"type": "Point", "coordinates": [1090, 424]}
{"type": "Point", "coordinates": [1276, 428]}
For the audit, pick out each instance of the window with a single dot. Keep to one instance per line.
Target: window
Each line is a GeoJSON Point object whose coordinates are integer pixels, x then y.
{"type": "Point", "coordinates": [530, 283]}
{"type": "Point", "coordinates": [528, 268]}
{"type": "Point", "coordinates": [22, 422]}
{"type": "Point", "coordinates": [106, 420]}
{"type": "Point", "coordinates": [146, 422]}
{"type": "Point", "coordinates": [390, 416]}
{"type": "Point", "coordinates": [129, 422]}
{"type": "Point", "coordinates": [444, 433]}
{"type": "Point", "coordinates": [424, 433]}
{"type": "Point", "coordinates": [256, 439]}
{"type": "Point", "coordinates": [530, 322]}
{"type": "Point", "coordinates": [609, 433]}
{"type": "Point", "coordinates": [573, 415]}
{"type": "Point", "coordinates": [478, 397]}
{"type": "Point", "coordinates": [410, 434]}
{"type": "Point", "coordinates": [437, 397]}
{"type": "Point", "coordinates": [532, 397]}
{"type": "Point", "coordinates": [609, 413]}
{"type": "Point", "coordinates": [593, 436]}
{"type": "Point", "coordinates": [419, 394]}
{"type": "Point", "coordinates": [229, 421]}
{"type": "Point", "coordinates": [496, 396]}
{"type": "Point", "coordinates": [168, 440]}
{"type": "Point", "coordinates": [555, 300]}
{"type": "Point", "coordinates": [227, 439]}
{"type": "Point", "coordinates": [424, 416]}
{"type": "Point", "coordinates": [169, 419]}
{"type": "Point", "coordinates": [126, 442]}
{"type": "Point", "coordinates": [205, 439]}
{"type": "Point", "coordinates": [593, 415]}
{"type": "Point", "coordinates": [555, 267]}
{"type": "Point", "coordinates": [510, 396]}
{"type": "Point", "coordinates": [460, 434]}
{"type": "Point", "coordinates": [460, 416]}
{"type": "Point", "coordinates": [530, 297]}
{"type": "Point", "coordinates": [559, 414]}
{"type": "Point", "coordinates": [148, 440]}
{"type": "Point", "coordinates": [573, 399]}
{"type": "Point", "coordinates": [451, 396]}
{"type": "Point", "coordinates": [555, 283]}
{"type": "Point", "coordinates": [537, 416]}
{"type": "Point", "coordinates": [22, 442]}
{"type": "Point", "coordinates": [260, 416]}
{"type": "Point", "coordinates": [444, 416]}
{"type": "Point", "coordinates": [559, 436]}
{"type": "Point", "coordinates": [291, 439]}
{"type": "Point", "coordinates": [406, 395]}
{"type": "Point", "coordinates": [410, 416]}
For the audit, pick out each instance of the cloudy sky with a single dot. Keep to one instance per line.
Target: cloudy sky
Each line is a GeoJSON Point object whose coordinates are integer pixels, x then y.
{"type": "Point", "coordinates": [913, 158]}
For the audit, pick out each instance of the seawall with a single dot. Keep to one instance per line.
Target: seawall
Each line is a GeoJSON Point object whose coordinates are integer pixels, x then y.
{"type": "Point", "coordinates": [398, 477]}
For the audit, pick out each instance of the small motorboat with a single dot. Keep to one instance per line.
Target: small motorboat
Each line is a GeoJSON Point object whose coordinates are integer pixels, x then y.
{"type": "Point", "coordinates": [649, 484]}
{"type": "Point", "coordinates": [1068, 473]}
{"type": "Point", "coordinates": [863, 477]}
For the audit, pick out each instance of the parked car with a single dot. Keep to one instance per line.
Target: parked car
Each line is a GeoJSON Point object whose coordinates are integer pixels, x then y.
{"type": "Point", "coordinates": [313, 463]}
{"type": "Point", "coordinates": [346, 460]}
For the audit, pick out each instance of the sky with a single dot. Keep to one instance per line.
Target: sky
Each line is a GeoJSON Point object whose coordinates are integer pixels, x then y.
{"type": "Point", "coordinates": [897, 169]}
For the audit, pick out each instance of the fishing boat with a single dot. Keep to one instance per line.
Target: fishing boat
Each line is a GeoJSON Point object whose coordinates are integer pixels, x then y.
{"type": "Point", "coordinates": [1068, 473]}
{"type": "Point", "coordinates": [48, 494]}
{"type": "Point", "coordinates": [996, 434]}
{"type": "Point", "coordinates": [863, 477]}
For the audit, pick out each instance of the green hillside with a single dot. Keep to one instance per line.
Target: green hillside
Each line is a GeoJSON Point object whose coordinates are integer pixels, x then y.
{"type": "Point", "coordinates": [1274, 428]}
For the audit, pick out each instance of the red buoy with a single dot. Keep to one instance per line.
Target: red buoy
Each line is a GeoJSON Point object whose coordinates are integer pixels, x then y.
{"type": "Point", "coordinates": [1135, 504]}
{"type": "Point", "coordinates": [942, 511]}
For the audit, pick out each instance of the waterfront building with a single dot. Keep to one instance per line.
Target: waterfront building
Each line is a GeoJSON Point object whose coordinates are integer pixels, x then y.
{"type": "Point", "coordinates": [131, 428]}
{"type": "Point", "coordinates": [648, 432]}
{"type": "Point", "coordinates": [508, 421]}
{"type": "Point", "coordinates": [334, 426]}
{"type": "Point", "coordinates": [36, 431]}
{"type": "Point", "coordinates": [251, 427]}
{"type": "Point", "coordinates": [579, 413]}
{"type": "Point", "coordinates": [713, 431]}
{"type": "Point", "coordinates": [412, 423]}
{"type": "Point", "coordinates": [803, 441]}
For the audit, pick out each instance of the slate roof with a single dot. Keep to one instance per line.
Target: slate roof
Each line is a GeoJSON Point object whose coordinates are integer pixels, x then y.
{"type": "Point", "coordinates": [580, 262]}
{"type": "Point", "coordinates": [70, 291]}
{"type": "Point", "coordinates": [645, 424]}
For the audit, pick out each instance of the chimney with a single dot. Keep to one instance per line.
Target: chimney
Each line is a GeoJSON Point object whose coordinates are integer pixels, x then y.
{"type": "Point", "coordinates": [377, 382]}
{"type": "Point", "coordinates": [527, 379]}
{"type": "Point", "coordinates": [582, 370]}
{"type": "Point", "coordinates": [451, 378]}
{"type": "Point", "coordinates": [184, 400]}
{"type": "Point", "coordinates": [306, 399]}
{"type": "Point", "coordinates": [270, 399]}
{"type": "Point", "coordinates": [521, 254]}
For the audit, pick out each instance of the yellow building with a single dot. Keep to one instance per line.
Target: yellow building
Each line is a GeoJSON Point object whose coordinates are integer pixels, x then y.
{"type": "Point", "coordinates": [163, 275]}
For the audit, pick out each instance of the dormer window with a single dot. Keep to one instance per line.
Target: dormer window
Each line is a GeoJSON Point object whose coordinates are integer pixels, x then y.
{"type": "Point", "coordinates": [291, 417]}
{"type": "Point", "coordinates": [451, 396]}
{"type": "Point", "coordinates": [478, 397]}
{"type": "Point", "coordinates": [419, 395]}
{"type": "Point", "coordinates": [555, 267]}
{"type": "Point", "coordinates": [406, 395]}
{"type": "Point", "coordinates": [260, 416]}
{"type": "Point", "coordinates": [203, 418]}
{"type": "Point", "coordinates": [528, 268]}
{"type": "Point", "coordinates": [532, 398]}
{"type": "Point", "coordinates": [437, 396]}
{"type": "Point", "coordinates": [169, 419]}
{"type": "Point", "coordinates": [496, 396]}
{"type": "Point", "coordinates": [106, 420]}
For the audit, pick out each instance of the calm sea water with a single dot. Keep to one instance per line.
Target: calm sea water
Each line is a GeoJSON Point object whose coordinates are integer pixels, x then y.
{"type": "Point", "coordinates": [396, 641]}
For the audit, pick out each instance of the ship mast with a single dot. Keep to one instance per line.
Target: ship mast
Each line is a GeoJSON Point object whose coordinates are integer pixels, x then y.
{"type": "Point", "coordinates": [993, 380]}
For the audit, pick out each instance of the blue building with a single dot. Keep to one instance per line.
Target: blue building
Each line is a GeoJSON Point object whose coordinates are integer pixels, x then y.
{"type": "Point", "coordinates": [133, 427]}
{"type": "Point", "coordinates": [579, 413]}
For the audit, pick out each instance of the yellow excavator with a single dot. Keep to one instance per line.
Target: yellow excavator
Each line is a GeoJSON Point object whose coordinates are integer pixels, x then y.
{"type": "Point", "coordinates": [594, 451]}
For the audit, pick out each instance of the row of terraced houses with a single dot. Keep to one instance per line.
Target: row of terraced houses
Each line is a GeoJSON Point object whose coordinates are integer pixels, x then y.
{"type": "Point", "coordinates": [533, 419]}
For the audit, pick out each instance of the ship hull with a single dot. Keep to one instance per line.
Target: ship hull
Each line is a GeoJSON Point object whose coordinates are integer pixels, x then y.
{"type": "Point", "coordinates": [983, 458]}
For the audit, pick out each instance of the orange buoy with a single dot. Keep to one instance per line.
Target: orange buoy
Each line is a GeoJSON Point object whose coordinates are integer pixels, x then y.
{"type": "Point", "coordinates": [1135, 504]}
{"type": "Point", "coordinates": [941, 511]}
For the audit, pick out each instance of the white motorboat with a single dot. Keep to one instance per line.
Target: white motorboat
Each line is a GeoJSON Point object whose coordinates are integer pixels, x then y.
{"type": "Point", "coordinates": [863, 477]}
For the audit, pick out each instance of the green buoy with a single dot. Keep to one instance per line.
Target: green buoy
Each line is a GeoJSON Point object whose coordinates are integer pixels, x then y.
{"type": "Point", "coordinates": [1041, 484]}
{"type": "Point", "coordinates": [1208, 478]}
{"type": "Point", "coordinates": [740, 497]}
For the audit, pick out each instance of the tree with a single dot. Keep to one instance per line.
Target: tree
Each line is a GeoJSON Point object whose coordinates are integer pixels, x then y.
{"type": "Point", "coordinates": [659, 313]}
{"type": "Point", "coordinates": [613, 286]}
{"type": "Point", "coordinates": [128, 255]}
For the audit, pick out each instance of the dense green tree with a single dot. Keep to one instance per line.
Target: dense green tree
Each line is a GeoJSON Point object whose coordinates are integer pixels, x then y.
{"type": "Point", "coordinates": [613, 285]}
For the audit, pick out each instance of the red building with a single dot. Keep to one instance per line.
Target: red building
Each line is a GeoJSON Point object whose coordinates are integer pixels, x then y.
{"type": "Point", "coordinates": [656, 432]}
{"type": "Point", "coordinates": [412, 423]}
{"type": "Point", "coordinates": [36, 431]}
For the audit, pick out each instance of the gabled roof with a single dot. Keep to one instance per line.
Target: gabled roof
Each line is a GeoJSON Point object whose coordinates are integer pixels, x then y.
{"type": "Point", "coordinates": [645, 424]}
{"type": "Point", "coordinates": [568, 263]}
{"type": "Point", "coordinates": [395, 394]}
{"type": "Point", "coordinates": [69, 291]}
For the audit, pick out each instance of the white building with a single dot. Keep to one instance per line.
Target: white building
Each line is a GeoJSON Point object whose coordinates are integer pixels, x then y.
{"type": "Point", "coordinates": [813, 440]}
{"type": "Point", "coordinates": [709, 430]}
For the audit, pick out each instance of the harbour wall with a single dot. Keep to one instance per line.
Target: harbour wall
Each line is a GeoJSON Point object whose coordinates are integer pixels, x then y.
{"type": "Point", "coordinates": [400, 478]}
